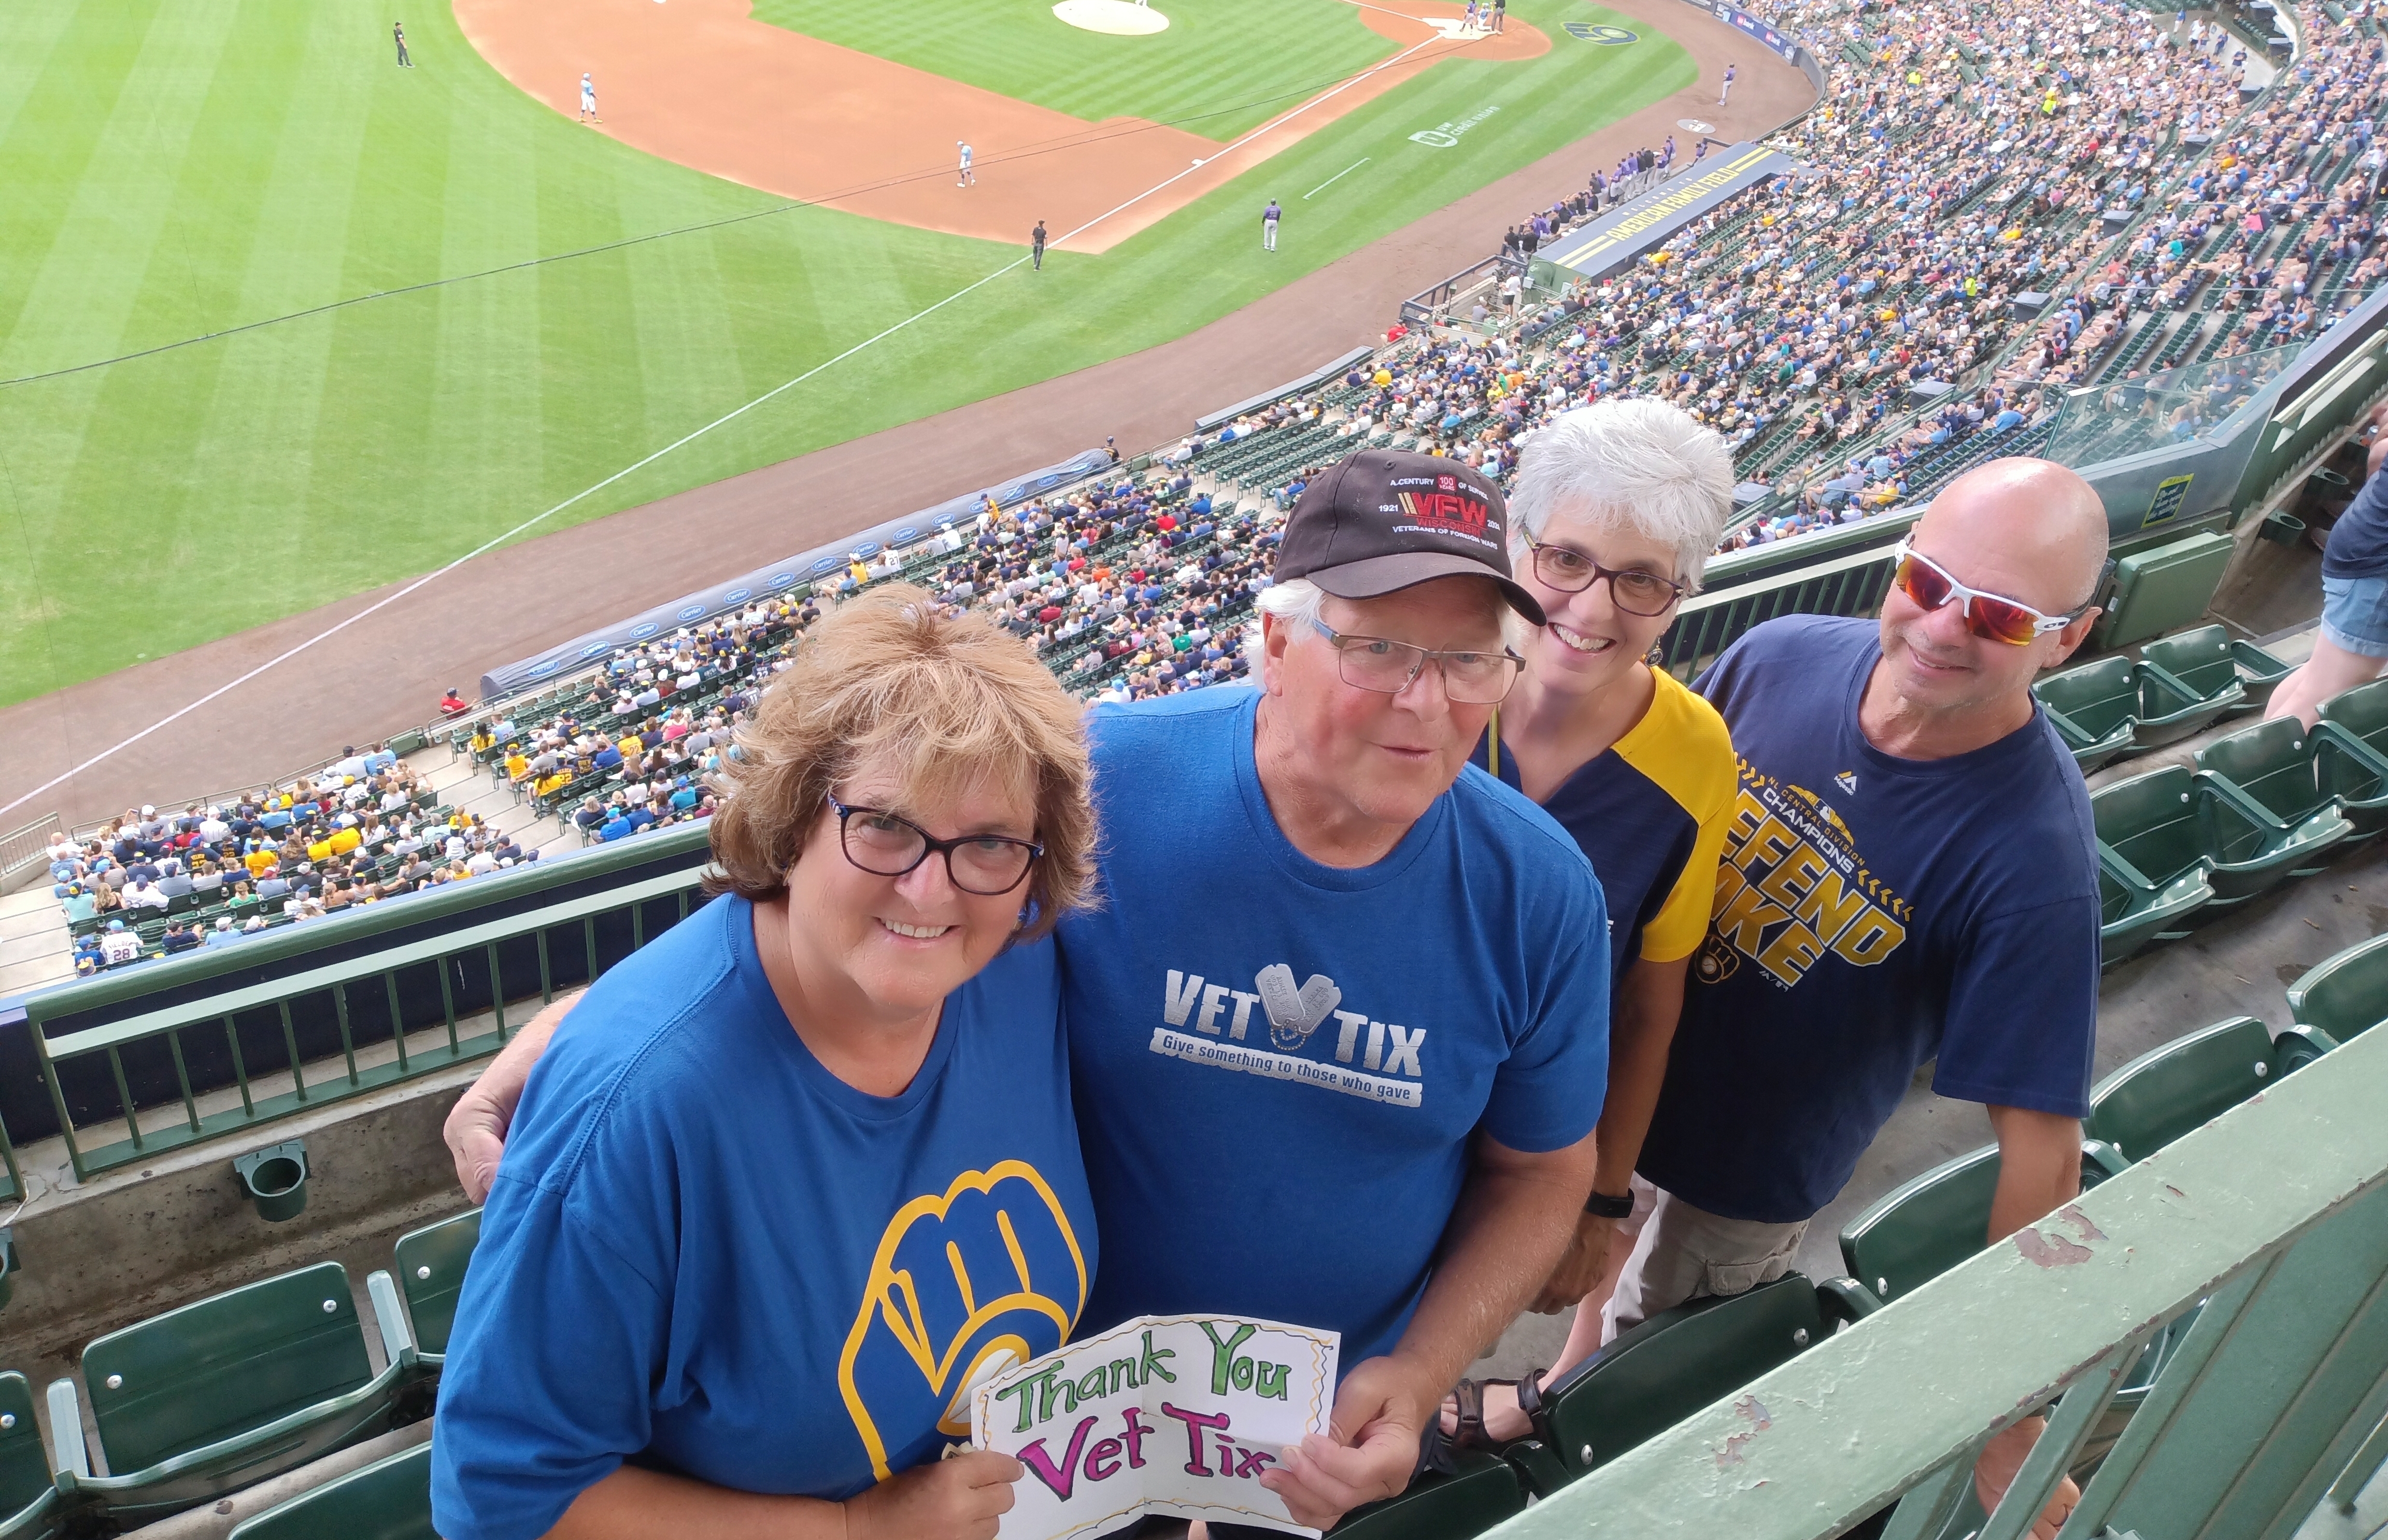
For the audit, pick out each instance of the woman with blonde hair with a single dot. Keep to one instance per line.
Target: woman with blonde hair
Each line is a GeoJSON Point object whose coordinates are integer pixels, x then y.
{"type": "Point", "coordinates": [804, 1170]}
{"type": "Point", "coordinates": [1614, 513]}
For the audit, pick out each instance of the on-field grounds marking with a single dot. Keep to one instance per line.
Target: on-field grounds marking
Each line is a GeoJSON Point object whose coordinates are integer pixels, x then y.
{"type": "Point", "coordinates": [437, 573]}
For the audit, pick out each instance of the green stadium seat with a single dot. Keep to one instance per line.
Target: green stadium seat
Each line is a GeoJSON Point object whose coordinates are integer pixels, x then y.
{"type": "Point", "coordinates": [1675, 1363]}
{"type": "Point", "coordinates": [2134, 912]}
{"type": "Point", "coordinates": [30, 1504]}
{"type": "Point", "coordinates": [1913, 1234]}
{"type": "Point", "coordinates": [1476, 1493]}
{"type": "Point", "coordinates": [2161, 824]}
{"type": "Point", "coordinates": [226, 1391]}
{"type": "Point", "coordinates": [2187, 1083]}
{"type": "Point", "coordinates": [2207, 662]}
{"type": "Point", "coordinates": [389, 1500]}
{"type": "Point", "coordinates": [2275, 763]}
{"type": "Point", "coordinates": [431, 1263]}
{"type": "Point", "coordinates": [2170, 709]}
{"type": "Point", "coordinates": [2094, 709]}
{"type": "Point", "coordinates": [2345, 995]}
{"type": "Point", "coordinates": [2362, 711]}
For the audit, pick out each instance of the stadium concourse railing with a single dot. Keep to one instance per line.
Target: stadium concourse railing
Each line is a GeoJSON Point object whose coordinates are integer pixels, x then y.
{"type": "Point", "coordinates": [226, 1041]}
{"type": "Point", "coordinates": [2274, 1218]}
{"type": "Point", "coordinates": [24, 852]}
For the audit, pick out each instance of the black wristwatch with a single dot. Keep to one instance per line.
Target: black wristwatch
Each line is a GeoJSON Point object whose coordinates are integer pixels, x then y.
{"type": "Point", "coordinates": [1605, 1207]}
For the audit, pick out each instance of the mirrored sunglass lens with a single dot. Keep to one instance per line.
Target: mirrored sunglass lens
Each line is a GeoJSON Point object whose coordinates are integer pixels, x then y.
{"type": "Point", "coordinates": [1922, 584]}
{"type": "Point", "coordinates": [2001, 621]}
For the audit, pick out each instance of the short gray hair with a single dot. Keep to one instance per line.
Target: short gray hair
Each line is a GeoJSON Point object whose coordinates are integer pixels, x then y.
{"type": "Point", "coordinates": [1640, 467]}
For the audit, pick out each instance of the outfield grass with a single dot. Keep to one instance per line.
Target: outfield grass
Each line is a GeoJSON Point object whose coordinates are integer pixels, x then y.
{"type": "Point", "coordinates": [1222, 67]}
{"type": "Point", "coordinates": [180, 167]}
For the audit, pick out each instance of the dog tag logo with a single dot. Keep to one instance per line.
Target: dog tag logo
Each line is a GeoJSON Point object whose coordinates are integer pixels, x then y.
{"type": "Point", "coordinates": [1295, 1013]}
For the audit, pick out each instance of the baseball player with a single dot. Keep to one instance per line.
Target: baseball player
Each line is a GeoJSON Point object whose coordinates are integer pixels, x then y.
{"type": "Point", "coordinates": [1269, 216]}
{"type": "Point", "coordinates": [969, 176]}
{"type": "Point", "coordinates": [397, 30]}
{"type": "Point", "coordinates": [589, 99]}
{"type": "Point", "coordinates": [1728, 86]}
{"type": "Point", "coordinates": [1036, 246]}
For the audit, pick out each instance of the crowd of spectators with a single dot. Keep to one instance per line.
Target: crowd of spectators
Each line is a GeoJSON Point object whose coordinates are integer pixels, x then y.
{"type": "Point", "coordinates": [149, 883]}
{"type": "Point", "coordinates": [1994, 200]}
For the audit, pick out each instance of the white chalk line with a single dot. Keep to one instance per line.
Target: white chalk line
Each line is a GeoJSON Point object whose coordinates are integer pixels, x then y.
{"type": "Point", "coordinates": [1336, 177]}
{"type": "Point", "coordinates": [437, 573]}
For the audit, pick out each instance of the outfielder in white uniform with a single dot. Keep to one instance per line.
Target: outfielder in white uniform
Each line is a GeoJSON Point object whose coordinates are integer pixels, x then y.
{"type": "Point", "coordinates": [969, 176]}
{"type": "Point", "coordinates": [588, 100]}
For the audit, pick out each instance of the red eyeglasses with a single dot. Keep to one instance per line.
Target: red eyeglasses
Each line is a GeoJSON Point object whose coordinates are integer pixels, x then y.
{"type": "Point", "coordinates": [1991, 617]}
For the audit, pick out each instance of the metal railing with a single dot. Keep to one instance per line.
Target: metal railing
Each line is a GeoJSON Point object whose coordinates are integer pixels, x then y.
{"type": "Point", "coordinates": [25, 851]}
{"type": "Point", "coordinates": [2269, 1221]}
{"type": "Point", "coordinates": [310, 1027]}
{"type": "Point", "coordinates": [1849, 584]}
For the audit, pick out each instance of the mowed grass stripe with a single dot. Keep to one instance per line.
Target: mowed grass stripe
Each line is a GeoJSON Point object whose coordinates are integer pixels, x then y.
{"type": "Point", "coordinates": [1239, 54]}
{"type": "Point", "coordinates": [342, 452]}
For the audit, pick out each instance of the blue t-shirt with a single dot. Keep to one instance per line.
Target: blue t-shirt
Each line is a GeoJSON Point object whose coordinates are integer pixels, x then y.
{"type": "Point", "coordinates": [1300, 1163]}
{"type": "Point", "coordinates": [706, 1253]}
{"type": "Point", "coordinates": [1871, 913]}
{"type": "Point", "coordinates": [2358, 542]}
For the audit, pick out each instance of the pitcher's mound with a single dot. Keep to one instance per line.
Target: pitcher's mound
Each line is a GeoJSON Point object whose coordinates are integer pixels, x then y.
{"type": "Point", "coordinates": [1118, 18]}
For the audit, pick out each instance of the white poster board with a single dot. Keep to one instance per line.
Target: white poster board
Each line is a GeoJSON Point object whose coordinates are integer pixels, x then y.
{"type": "Point", "coordinates": [1168, 1415]}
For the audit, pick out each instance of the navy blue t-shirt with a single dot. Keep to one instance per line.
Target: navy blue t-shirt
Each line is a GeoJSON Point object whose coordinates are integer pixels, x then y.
{"type": "Point", "coordinates": [1279, 1064]}
{"type": "Point", "coordinates": [2358, 542]}
{"type": "Point", "coordinates": [707, 1254]}
{"type": "Point", "coordinates": [1871, 913]}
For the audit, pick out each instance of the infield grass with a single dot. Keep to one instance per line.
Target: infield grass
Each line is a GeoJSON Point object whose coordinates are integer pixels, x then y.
{"type": "Point", "coordinates": [1222, 66]}
{"type": "Point", "coordinates": [178, 168]}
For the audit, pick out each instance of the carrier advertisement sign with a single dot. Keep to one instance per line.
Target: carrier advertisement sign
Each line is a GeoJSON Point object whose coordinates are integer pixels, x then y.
{"type": "Point", "coordinates": [1172, 1416]}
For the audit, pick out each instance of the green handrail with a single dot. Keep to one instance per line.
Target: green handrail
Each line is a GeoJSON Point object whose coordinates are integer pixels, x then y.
{"type": "Point", "coordinates": [327, 1080]}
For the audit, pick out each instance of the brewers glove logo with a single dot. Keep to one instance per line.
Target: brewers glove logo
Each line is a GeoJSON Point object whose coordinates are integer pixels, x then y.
{"type": "Point", "coordinates": [985, 1275]}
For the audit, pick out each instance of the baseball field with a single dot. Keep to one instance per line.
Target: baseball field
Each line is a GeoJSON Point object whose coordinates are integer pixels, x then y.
{"type": "Point", "coordinates": [284, 321]}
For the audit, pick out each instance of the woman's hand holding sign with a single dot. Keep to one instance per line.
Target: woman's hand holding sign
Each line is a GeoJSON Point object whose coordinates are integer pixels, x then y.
{"type": "Point", "coordinates": [962, 1498]}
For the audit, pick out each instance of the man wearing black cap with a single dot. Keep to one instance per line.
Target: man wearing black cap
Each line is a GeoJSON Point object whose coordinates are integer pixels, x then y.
{"type": "Point", "coordinates": [1359, 1095]}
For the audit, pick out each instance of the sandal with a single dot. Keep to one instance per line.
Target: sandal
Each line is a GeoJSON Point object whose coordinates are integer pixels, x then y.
{"type": "Point", "coordinates": [1468, 1396]}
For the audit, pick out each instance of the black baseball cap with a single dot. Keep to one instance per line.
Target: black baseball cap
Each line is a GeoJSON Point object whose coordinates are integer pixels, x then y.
{"type": "Point", "coordinates": [1383, 520]}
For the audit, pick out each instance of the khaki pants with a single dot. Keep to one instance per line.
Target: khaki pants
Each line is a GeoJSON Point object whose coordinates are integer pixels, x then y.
{"type": "Point", "coordinates": [1681, 1253]}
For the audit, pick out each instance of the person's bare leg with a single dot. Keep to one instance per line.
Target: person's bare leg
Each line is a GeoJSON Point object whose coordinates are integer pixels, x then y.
{"type": "Point", "coordinates": [1502, 1420]}
{"type": "Point", "coordinates": [2331, 669]}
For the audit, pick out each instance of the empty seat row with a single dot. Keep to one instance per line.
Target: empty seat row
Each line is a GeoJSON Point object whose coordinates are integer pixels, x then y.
{"type": "Point", "coordinates": [2180, 685]}
{"type": "Point", "coordinates": [2263, 804]}
{"type": "Point", "coordinates": [226, 1391]}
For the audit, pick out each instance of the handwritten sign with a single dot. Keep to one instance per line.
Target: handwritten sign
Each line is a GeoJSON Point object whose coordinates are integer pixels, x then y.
{"type": "Point", "coordinates": [1170, 1415]}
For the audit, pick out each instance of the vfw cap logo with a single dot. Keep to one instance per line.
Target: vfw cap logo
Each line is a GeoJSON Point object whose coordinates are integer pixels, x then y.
{"type": "Point", "coordinates": [1441, 504]}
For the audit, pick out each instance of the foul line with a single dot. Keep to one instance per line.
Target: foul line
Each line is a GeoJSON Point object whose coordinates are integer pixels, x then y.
{"type": "Point", "coordinates": [1336, 177]}
{"type": "Point", "coordinates": [433, 576]}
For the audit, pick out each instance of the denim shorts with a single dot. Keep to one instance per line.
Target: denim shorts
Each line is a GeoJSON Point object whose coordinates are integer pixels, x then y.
{"type": "Point", "coordinates": [2355, 614]}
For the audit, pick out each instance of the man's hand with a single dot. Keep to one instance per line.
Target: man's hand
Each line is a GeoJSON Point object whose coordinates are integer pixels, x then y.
{"type": "Point", "coordinates": [1579, 1271]}
{"type": "Point", "coordinates": [1995, 1471]}
{"type": "Point", "coordinates": [1370, 1451]}
{"type": "Point", "coordinates": [475, 1130]}
{"type": "Point", "coordinates": [961, 1498]}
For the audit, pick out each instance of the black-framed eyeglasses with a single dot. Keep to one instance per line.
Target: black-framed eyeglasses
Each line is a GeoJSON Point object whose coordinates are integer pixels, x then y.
{"type": "Point", "coordinates": [885, 845]}
{"type": "Point", "coordinates": [1633, 591]}
{"type": "Point", "coordinates": [1387, 668]}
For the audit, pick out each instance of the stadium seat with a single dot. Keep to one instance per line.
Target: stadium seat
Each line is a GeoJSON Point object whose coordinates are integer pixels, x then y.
{"type": "Point", "coordinates": [2134, 912]}
{"type": "Point", "coordinates": [2362, 711]}
{"type": "Point", "coordinates": [389, 1500]}
{"type": "Point", "coordinates": [2170, 1091]}
{"type": "Point", "coordinates": [2277, 765]}
{"type": "Point", "coordinates": [1477, 1493]}
{"type": "Point", "coordinates": [2161, 824]}
{"type": "Point", "coordinates": [1913, 1234]}
{"type": "Point", "coordinates": [2345, 995]}
{"type": "Point", "coordinates": [1675, 1363]}
{"type": "Point", "coordinates": [431, 1263]}
{"type": "Point", "coordinates": [2207, 662]}
{"type": "Point", "coordinates": [226, 1391]}
{"type": "Point", "coordinates": [2094, 709]}
{"type": "Point", "coordinates": [30, 1506]}
{"type": "Point", "coordinates": [2169, 709]}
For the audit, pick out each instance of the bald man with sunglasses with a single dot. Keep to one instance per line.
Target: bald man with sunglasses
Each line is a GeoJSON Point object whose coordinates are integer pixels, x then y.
{"type": "Point", "coordinates": [1910, 875]}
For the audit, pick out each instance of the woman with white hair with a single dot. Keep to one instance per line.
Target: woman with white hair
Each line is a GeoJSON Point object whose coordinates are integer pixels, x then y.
{"type": "Point", "coordinates": [1614, 512]}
